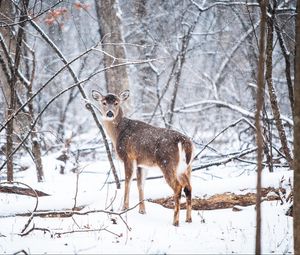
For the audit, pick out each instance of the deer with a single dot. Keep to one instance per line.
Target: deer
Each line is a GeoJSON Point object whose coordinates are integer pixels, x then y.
{"type": "Point", "coordinates": [143, 146]}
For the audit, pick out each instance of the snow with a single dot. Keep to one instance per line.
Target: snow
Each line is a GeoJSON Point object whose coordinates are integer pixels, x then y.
{"type": "Point", "coordinates": [221, 231]}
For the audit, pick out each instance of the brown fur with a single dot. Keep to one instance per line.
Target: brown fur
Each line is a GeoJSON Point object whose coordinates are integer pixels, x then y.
{"type": "Point", "coordinates": [140, 144]}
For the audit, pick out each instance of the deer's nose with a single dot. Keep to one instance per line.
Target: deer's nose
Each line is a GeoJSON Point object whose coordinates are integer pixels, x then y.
{"type": "Point", "coordinates": [109, 114]}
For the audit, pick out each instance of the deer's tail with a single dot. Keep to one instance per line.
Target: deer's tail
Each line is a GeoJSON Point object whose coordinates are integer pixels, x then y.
{"type": "Point", "coordinates": [185, 150]}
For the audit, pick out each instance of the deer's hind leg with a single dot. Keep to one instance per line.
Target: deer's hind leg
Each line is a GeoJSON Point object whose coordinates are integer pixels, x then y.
{"type": "Point", "coordinates": [187, 188]}
{"type": "Point", "coordinates": [170, 174]}
{"type": "Point", "coordinates": [177, 195]}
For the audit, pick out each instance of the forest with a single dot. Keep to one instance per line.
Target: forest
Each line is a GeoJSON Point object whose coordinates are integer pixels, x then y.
{"type": "Point", "coordinates": [223, 73]}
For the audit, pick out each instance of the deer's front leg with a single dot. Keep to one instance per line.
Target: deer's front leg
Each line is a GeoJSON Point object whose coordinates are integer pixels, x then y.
{"type": "Point", "coordinates": [140, 176]}
{"type": "Point", "coordinates": [128, 167]}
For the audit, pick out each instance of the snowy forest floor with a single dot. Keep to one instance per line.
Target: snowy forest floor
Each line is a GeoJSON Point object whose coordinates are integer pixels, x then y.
{"type": "Point", "coordinates": [95, 231]}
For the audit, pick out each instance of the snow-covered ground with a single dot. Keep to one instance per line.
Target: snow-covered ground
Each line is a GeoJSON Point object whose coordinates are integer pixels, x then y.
{"type": "Point", "coordinates": [216, 231]}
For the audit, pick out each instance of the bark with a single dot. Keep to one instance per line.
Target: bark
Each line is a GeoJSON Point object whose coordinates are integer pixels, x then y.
{"type": "Point", "coordinates": [6, 78]}
{"type": "Point", "coordinates": [287, 59]}
{"type": "Point", "coordinates": [271, 89]}
{"type": "Point", "coordinates": [36, 148]}
{"type": "Point", "coordinates": [113, 45]}
{"type": "Point", "coordinates": [146, 77]}
{"type": "Point", "coordinates": [259, 134]}
{"type": "Point", "coordinates": [296, 206]}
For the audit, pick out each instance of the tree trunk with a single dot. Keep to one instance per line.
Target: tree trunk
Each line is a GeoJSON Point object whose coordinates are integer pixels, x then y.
{"type": "Point", "coordinates": [11, 76]}
{"type": "Point", "coordinates": [35, 139]}
{"type": "Point", "coordinates": [145, 76]}
{"type": "Point", "coordinates": [259, 133]}
{"type": "Point", "coordinates": [113, 45]}
{"type": "Point", "coordinates": [287, 59]}
{"type": "Point", "coordinates": [296, 206]}
{"type": "Point", "coordinates": [271, 89]}
{"type": "Point", "coordinates": [5, 74]}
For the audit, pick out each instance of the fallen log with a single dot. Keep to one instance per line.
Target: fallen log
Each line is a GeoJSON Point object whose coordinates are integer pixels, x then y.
{"type": "Point", "coordinates": [21, 191]}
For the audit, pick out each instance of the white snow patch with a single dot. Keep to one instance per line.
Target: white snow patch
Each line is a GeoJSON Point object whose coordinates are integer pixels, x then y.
{"type": "Point", "coordinates": [217, 231]}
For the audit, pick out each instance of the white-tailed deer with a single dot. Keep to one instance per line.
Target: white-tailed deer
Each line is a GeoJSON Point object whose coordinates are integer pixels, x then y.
{"type": "Point", "coordinates": [140, 145]}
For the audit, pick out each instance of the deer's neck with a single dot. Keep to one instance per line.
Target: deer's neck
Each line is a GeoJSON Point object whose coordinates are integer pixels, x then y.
{"type": "Point", "coordinates": [113, 127]}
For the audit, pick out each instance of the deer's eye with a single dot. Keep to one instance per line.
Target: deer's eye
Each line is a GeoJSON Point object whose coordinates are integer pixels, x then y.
{"type": "Point", "coordinates": [116, 103]}
{"type": "Point", "coordinates": [104, 103]}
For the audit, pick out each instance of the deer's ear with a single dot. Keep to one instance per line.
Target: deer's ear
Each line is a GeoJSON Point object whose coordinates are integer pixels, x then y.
{"type": "Point", "coordinates": [97, 95]}
{"type": "Point", "coordinates": [124, 95]}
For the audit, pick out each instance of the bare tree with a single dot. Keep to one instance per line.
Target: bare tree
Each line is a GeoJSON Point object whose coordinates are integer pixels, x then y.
{"type": "Point", "coordinates": [110, 28]}
{"type": "Point", "coordinates": [259, 134]}
{"type": "Point", "coordinates": [296, 205]}
{"type": "Point", "coordinates": [271, 89]}
{"type": "Point", "coordinates": [15, 59]}
{"type": "Point", "coordinates": [5, 73]}
{"type": "Point", "coordinates": [12, 76]}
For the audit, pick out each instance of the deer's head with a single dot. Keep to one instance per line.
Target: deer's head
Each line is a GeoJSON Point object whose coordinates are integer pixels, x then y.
{"type": "Point", "coordinates": [109, 105]}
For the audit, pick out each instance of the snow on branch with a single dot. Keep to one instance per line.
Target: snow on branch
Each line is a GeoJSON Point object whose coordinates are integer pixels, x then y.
{"type": "Point", "coordinates": [248, 114]}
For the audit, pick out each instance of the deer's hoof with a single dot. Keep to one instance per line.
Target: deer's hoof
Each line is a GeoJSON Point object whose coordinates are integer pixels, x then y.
{"type": "Point", "coordinates": [176, 223]}
{"type": "Point", "coordinates": [142, 211]}
{"type": "Point", "coordinates": [189, 220]}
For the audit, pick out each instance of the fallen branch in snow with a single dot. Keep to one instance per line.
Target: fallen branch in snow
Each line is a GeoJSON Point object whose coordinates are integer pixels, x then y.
{"type": "Point", "coordinates": [21, 191]}
{"type": "Point", "coordinates": [224, 200]}
{"type": "Point", "coordinates": [70, 213]}
{"type": "Point", "coordinates": [59, 234]}
{"type": "Point", "coordinates": [33, 191]}
{"type": "Point", "coordinates": [20, 252]}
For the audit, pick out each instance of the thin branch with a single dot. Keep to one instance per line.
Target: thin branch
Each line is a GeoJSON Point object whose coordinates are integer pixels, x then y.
{"type": "Point", "coordinates": [222, 131]}
{"type": "Point", "coordinates": [45, 85]}
{"type": "Point", "coordinates": [59, 234]}
{"type": "Point", "coordinates": [286, 55]}
{"type": "Point", "coordinates": [70, 213]}
{"type": "Point", "coordinates": [244, 112]}
{"type": "Point", "coordinates": [231, 3]}
{"type": "Point", "coordinates": [11, 63]}
{"type": "Point", "coordinates": [224, 161]}
{"type": "Point", "coordinates": [28, 18]}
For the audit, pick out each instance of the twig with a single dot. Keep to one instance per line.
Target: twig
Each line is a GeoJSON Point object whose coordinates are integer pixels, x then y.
{"type": "Point", "coordinates": [59, 234]}
{"type": "Point", "coordinates": [114, 198]}
{"type": "Point", "coordinates": [34, 228]}
{"type": "Point", "coordinates": [77, 182]}
{"type": "Point", "coordinates": [69, 213]}
{"type": "Point", "coordinates": [20, 252]}
{"type": "Point", "coordinates": [222, 131]}
{"type": "Point", "coordinates": [224, 161]}
{"type": "Point", "coordinates": [45, 85]}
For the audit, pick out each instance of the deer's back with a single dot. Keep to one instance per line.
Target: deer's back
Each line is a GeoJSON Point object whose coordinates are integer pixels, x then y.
{"type": "Point", "coordinates": [150, 145]}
